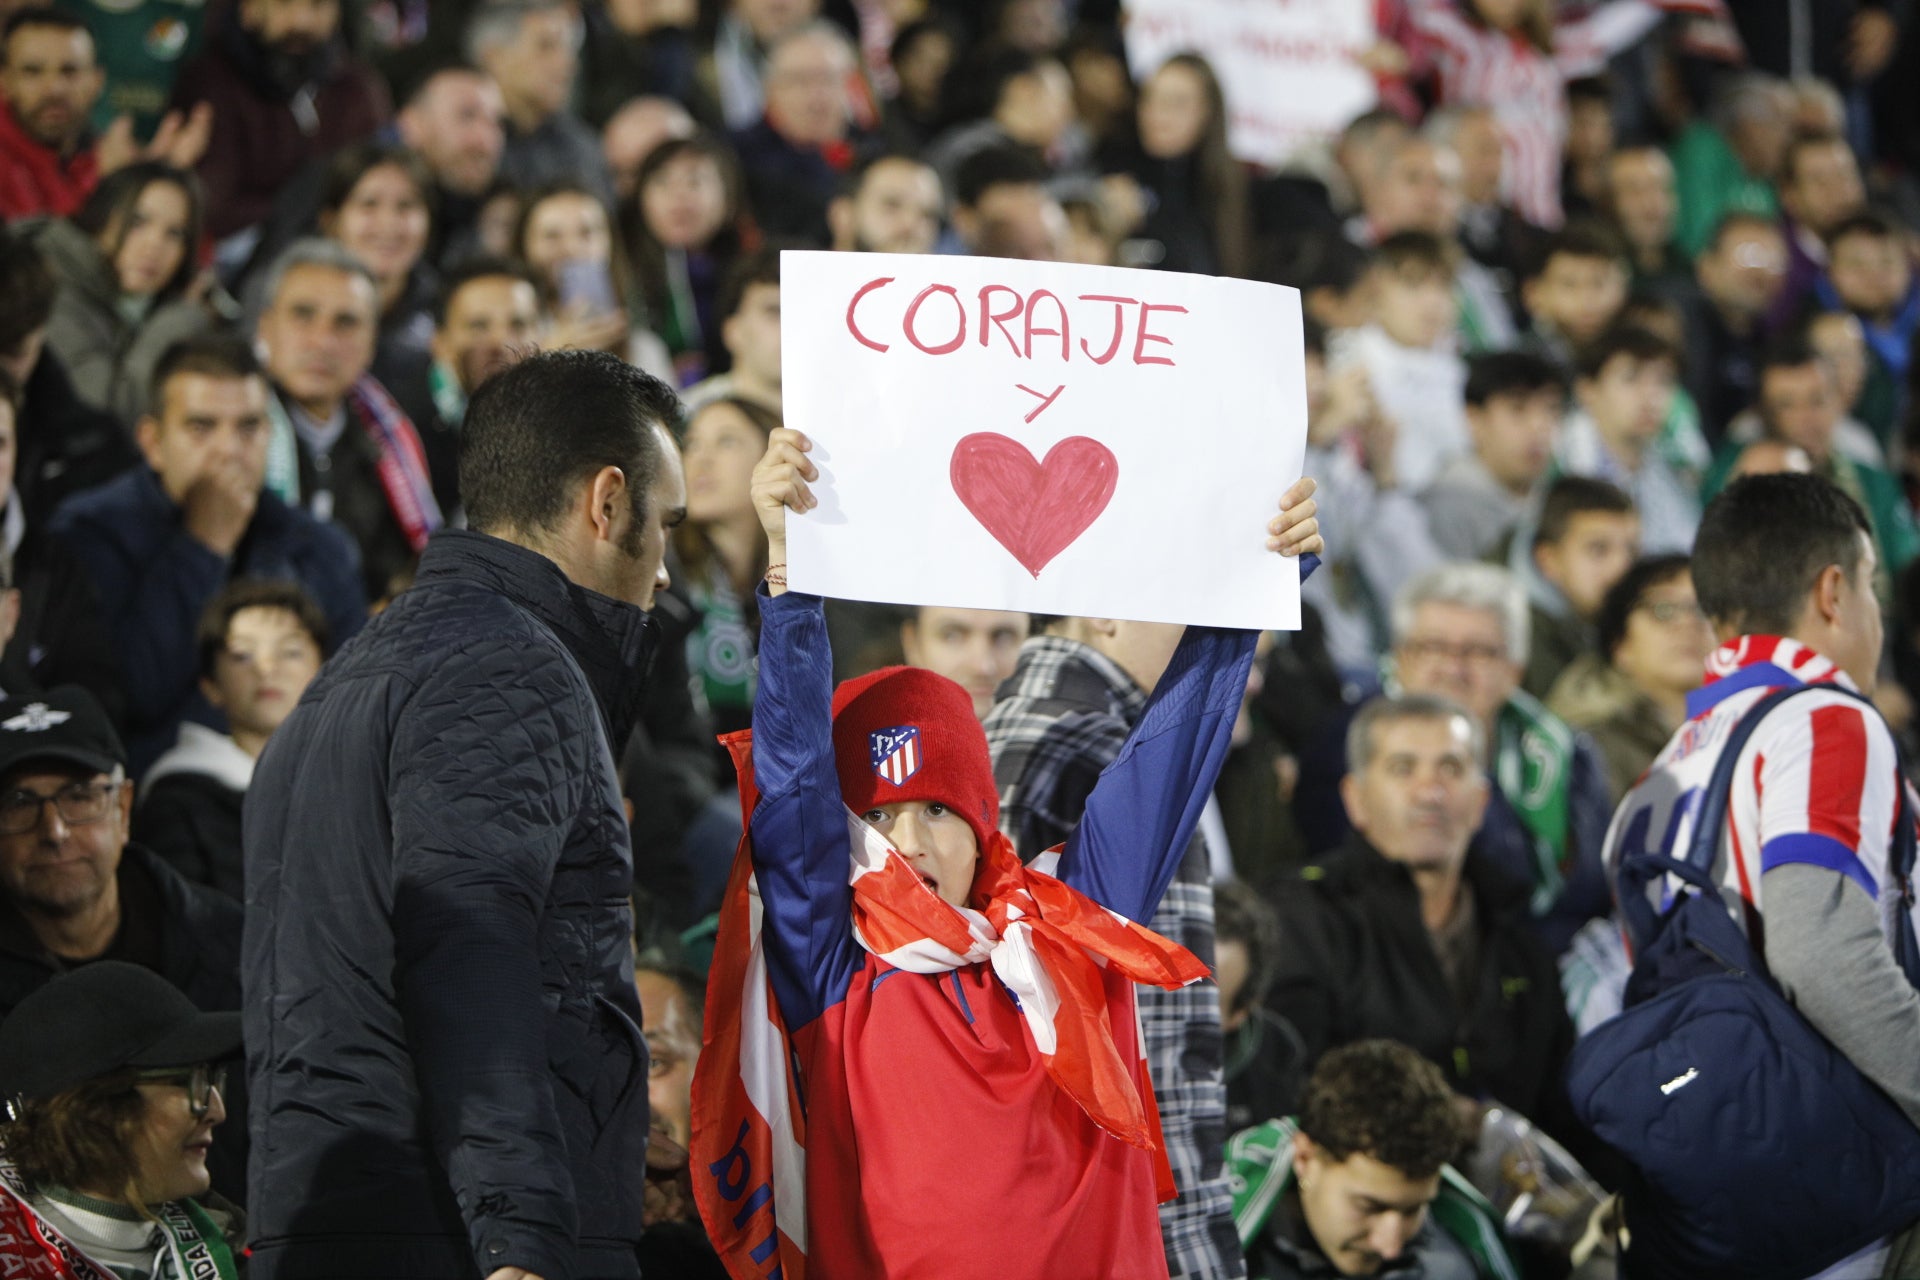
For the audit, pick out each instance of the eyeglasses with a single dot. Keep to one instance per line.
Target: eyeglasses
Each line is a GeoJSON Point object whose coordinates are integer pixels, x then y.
{"type": "Point", "coordinates": [77, 804]}
{"type": "Point", "coordinates": [1668, 612]}
{"type": "Point", "coordinates": [1447, 651]}
{"type": "Point", "coordinates": [199, 1082]}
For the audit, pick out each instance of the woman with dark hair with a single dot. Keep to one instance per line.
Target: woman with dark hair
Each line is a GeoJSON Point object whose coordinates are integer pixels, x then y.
{"type": "Point", "coordinates": [125, 264]}
{"type": "Point", "coordinates": [684, 230]}
{"type": "Point", "coordinates": [113, 1084]}
{"type": "Point", "coordinates": [565, 239]}
{"type": "Point", "coordinates": [1631, 695]}
{"type": "Point", "coordinates": [378, 203]}
{"type": "Point", "coordinates": [1198, 208]}
{"type": "Point", "coordinates": [721, 552]}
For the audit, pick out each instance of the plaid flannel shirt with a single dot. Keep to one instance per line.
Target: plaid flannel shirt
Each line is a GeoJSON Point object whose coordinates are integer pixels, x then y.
{"type": "Point", "coordinates": [1058, 722]}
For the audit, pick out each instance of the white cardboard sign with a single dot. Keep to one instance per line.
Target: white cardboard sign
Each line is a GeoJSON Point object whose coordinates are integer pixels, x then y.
{"type": "Point", "coordinates": [1286, 67]}
{"type": "Point", "coordinates": [1043, 436]}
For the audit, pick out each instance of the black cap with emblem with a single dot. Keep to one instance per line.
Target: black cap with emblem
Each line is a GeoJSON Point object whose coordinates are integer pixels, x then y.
{"type": "Point", "coordinates": [66, 725]}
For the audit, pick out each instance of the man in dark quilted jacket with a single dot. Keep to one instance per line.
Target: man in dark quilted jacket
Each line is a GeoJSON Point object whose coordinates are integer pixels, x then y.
{"type": "Point", "coordinates": [439, 1007]}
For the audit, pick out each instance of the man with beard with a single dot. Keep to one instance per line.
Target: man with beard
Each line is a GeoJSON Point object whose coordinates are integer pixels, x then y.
{"type": "Point", "coordinates": [283, 90]}
{"type": "Point", "coordinates": [891, 204]}
{"type": "Point", "coordinates": [452, 120]}
{"type": "Point", "coordinates": [488, 314]}
{"type": "Point", "coordinates": [49, 83]}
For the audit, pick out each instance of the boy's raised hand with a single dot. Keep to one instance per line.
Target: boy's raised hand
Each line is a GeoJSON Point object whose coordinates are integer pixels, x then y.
{"type": "Point", "coordinates": [779, 486]}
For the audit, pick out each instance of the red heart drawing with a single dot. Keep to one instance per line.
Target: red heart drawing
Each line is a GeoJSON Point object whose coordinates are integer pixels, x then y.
{"type": "Point", "coordinates": [1033, 509]}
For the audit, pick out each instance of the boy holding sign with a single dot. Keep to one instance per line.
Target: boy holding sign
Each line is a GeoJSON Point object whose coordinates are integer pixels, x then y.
{"type": "Point", "coordinates": [966, 1072]}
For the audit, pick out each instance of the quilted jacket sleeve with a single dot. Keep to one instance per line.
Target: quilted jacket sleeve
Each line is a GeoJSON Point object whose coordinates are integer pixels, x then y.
{"type": "Point", "coordinates": [490, 759]}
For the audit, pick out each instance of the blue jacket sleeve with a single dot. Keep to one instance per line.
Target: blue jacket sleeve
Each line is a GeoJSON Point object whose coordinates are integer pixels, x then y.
{"type": "Point", "coordinates": [799, 827]}
{"type": "Point", "coordinates": [1144, 809]}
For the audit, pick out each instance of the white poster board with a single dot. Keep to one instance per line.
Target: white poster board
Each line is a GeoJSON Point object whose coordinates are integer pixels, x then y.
{"type": "Point", "coordinates": [1285, 66]}
{"type": "Point", "coordinates": [1043, 436]}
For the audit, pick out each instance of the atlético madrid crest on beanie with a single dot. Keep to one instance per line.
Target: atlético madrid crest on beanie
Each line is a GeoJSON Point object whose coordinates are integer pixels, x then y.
{"type": "Point", "coordinates": [903, 733]}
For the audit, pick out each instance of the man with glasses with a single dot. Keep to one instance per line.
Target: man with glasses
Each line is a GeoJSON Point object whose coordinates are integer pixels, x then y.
{"type": "Point", "coordinates": [1461, 632]}
{"type": "Point", "coordinates": [74, 889]}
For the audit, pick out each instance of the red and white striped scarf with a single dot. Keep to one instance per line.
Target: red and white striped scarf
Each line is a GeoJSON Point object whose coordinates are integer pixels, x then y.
{"type": "Point", "coordinates": [1045, 940]}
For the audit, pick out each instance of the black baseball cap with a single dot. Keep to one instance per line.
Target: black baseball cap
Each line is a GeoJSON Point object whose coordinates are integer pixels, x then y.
{"type": "Point", "coordinates": [100, 1018]}
{"type": "Point", "coordinates": [65, 725]}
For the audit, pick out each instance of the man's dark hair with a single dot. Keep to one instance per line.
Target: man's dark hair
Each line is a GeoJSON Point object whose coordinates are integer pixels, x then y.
{"type": "Point", "coordinates": [1877, 223]}
{"type": "Point", "coordinates": [1641, 345]}
{"type": "Point", "coordinates": [470, 270]}
{"type": "Point", "coordinates": [1243, 916]}
{"type": "Point", "coordinates": [1764, 541]}
{"type": "Point", "coordinates": [257, 593]}
{"type": "Point", "coordinates": [856, 177]}
{"type": "Point", "coordinates": [1511, 373]}
{"type": "Point", "coordinates": [1379, 1098]}
{"type": "Point", "coordinates": [212, 355]}
{"type": "Point", "coordinates": [762, 266]}
{"type": "Point", "coordinates": [27, 288]}
{"type": "Point", "coordinates": [935, 24]}
{"type": "Point", "coordinates": [1582, 239]}
{"type": "Point", "coordinates": [537, 429]}
{"type": "Point", "coordinates": [1003, 165]}
{"type": "Point", "coordinates": [1317, 260]}
{"type": "Point", "coordinates": [1793, 351]}
{"type": "Point", "coordinates": [410, 83]}
{"type": "Point", "coordinates": [1623, 597]}
{"type": "Point", "coordinates": [979, 80]}
{"type": "Point", "coordinates": [39, 15]}
{"type": "Point", "coordinates": [12, 396]}
{"type": "Point", "coordinates": [1571, 496]}
{"type": "Point", "coordinates": [1416, 254]}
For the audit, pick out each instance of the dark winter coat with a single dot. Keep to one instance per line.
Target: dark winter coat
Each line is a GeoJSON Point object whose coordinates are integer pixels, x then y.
{"type": "Point", "coordinates": [442, 1030]}
{"type": "Point", "coordinates": [1357, 962]}
{"type": "Point", "coordinates": [154, 578]}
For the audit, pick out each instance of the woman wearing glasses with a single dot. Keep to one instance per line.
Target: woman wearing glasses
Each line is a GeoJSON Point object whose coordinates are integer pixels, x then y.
{"type": "Point", "coordinates": [112, 1087]}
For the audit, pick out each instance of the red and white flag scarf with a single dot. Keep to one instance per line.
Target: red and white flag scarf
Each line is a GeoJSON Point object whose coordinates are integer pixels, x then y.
{"type": "Point", "coordinates": [1046, 941]}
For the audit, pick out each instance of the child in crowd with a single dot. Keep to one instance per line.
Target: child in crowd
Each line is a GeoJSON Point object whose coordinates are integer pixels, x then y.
{"type": "Point", "coordinates": [1576, 290]}
{"type": "Point", "coordinates": [961, 1027]}
{"type": "Point", "coordinates": [261, 643]}
{"type": "Point", "coordinates": [1408, 354]}
{"type": "Point", "coordinates": [1626, 384]}
{"type": "Point", "coordinates": [1515, 401]}
{"type": "Point", "coordinates": [1587, 536]}
{"type": "Point", "coordinates": [1870, 274]}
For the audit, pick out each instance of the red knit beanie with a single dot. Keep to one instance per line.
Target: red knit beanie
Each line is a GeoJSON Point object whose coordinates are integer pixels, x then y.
{"type": "Point", "coordinates": [904, 733]}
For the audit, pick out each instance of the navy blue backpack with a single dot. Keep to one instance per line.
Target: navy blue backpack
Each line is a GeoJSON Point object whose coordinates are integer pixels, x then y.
{"type": "Point", "coordinates": [1758, 1151]}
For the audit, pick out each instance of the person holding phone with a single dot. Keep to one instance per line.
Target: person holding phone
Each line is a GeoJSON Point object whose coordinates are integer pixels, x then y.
{"type": "Point", "coordinates": [565, 239]}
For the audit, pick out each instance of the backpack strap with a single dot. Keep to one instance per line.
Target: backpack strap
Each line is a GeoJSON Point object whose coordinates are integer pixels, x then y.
{"type": "Point", "coordinates": [1639, 870]}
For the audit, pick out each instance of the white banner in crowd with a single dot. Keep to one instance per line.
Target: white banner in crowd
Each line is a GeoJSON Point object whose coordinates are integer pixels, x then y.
{"type": "Point", "coordinates": [1043, 436]}
{"type": "Point", "coordinates": [1285, 66]}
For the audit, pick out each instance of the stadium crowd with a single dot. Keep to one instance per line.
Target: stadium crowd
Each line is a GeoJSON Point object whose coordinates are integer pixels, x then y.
{"type": "Point", "coordinates": [1578, 292]}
